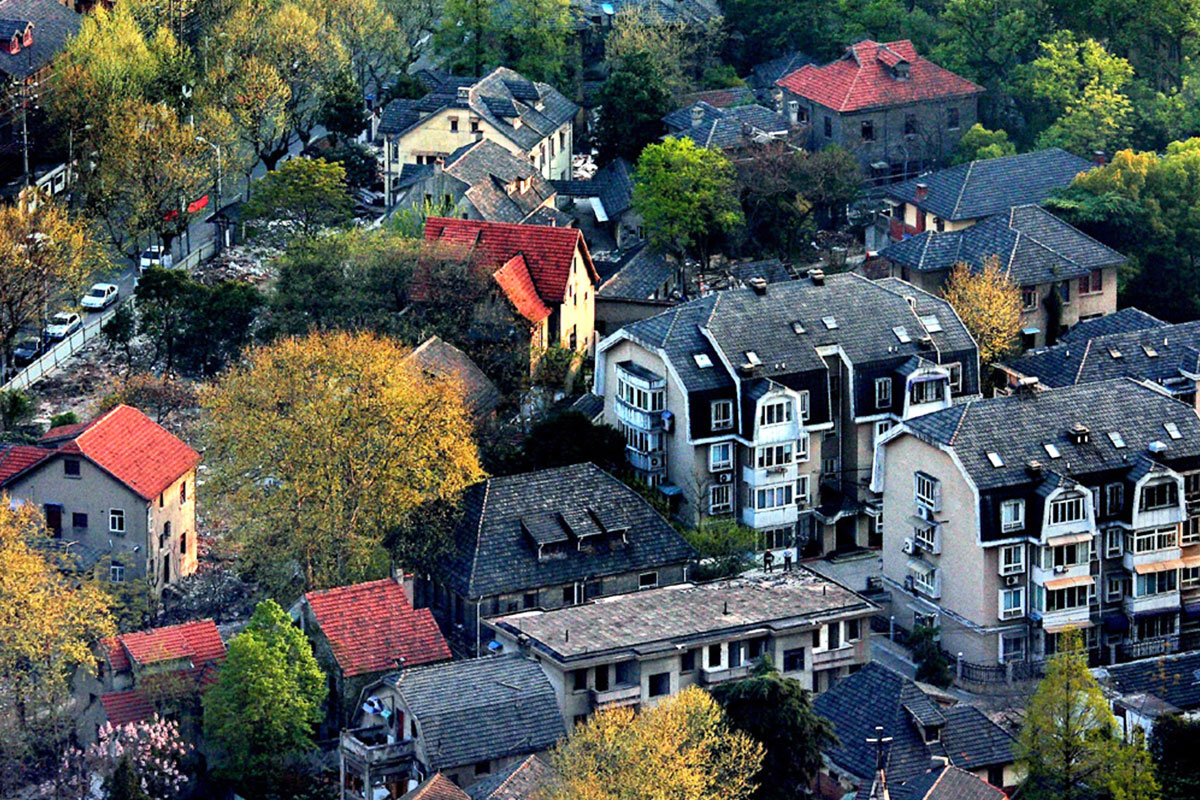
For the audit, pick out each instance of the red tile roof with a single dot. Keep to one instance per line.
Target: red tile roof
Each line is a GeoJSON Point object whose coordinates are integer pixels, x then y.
{"type": "Point", "coordinates": [863, 79]}
{"type": "Point", "coordinates": [372, 625]}
{"type": "Point", "coordinates": [438, 787]}
{"type": "Point", "coordinates": [548, 251]}
{"type": "Point", "coordinates": [517, 284]}
{"type": "Point", "coordinates": [121, 708]}
{"type": "Point", "coordinates": [16, 458]}
{"type": "Point", "coordinates": [131, 447]}
{"type": "Point", "coordinates": [198, 642]}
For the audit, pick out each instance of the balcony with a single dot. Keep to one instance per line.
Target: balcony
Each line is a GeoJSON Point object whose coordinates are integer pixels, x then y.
{"type": "Point", "coordinates": [1078, 617]}
{"type": "Point", "coordinates": [370, 746]}
{"type": "Point", "coordinates": [647, 462]}
{"type": "Point", "coordinates": [1060, 577]}
{"type": "Point", "coordinates": [1131, 561]}
{"type": "Point", "coordinates": [767, 475]}
{"type": "Point", "coordinates": [770, 517]}
{"type": "Point", "coordinates": [710, 676]}
{"type": "Point", "coordinates": [836, 658]}
{"type": "Point", "coordinates": [1163, 601]}
{"type": "Point", "coordinates": [637, 418]}
{"type": "Point", "coordinates": [619, 695]}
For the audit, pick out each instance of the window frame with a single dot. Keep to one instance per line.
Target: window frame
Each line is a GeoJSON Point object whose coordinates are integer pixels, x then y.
{"type": "Point", "coordinates": [1112, 582]}
{"type": "Point", "coordinates": [776, 408]}
{"type": "Point", "coordinates": [955, 369]}
{"type": "Point", "coordinates": [929, 500]}
{"type": "Point", "coordinates": [781, 496]}
{"type": "Point", "coordinates": [953, 118]}
{"type": "Point", "coordinates": [724, 420]}
{"type": "Point", "coordinates": [651, 584]}
{"type": "Point", "coordinates": [116, 515]}
{"type": "Point", "coordinates": [1170, 500]}
{"type": "Point", "coordinates": [867, 130]}
{"type": "Point", "coordinates": [724, 464]}
{"type": "Point", "coordinates": [1009, 610]}
{"type": "Point", "coordinates": [1059, 506]}
{"type": "Point", "coordinates": [68, 463]}
{"type": "Point", "coordinates": [1018, 524]}
{"type": "Point", "coordinates": [883, 392]}
{"type": "Point", "coordinates": [723, 507]}
{"type": "Point", "coordinates": [803, 499]}
{"type": "Point", "coordinates": [1014, 566]}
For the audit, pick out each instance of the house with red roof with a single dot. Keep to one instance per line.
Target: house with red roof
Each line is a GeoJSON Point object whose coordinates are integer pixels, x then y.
{"type": "Point", "coordinates": [363, 631]}
{"type": "Point", "coordinates": [897, 112]}
{"type": "Point", "coordinates": [119, 490]}
{"type": "Point", "coordinates": [156, 671]}
{"type": "Point", "coordinates": [546, 273]}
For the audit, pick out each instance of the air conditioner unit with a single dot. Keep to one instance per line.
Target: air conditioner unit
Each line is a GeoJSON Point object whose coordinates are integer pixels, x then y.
{"type": "Point", "coordinates": [655, 461]}
{"type": "Point", "coordinates": [925, 513]}
{"type": "Point", "coordinates": [909, 546]}
{"type": "Point", "coordinates": [725, 477]}
{"type": "Point", "coordinates": [1060, 569]}
{"type": "Point", "coordinates": [1012, 580]}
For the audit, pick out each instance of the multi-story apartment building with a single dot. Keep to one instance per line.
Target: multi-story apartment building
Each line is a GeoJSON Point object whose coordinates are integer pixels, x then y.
{"type": "Point", "coordinates": [764, 404]}
{"type": "Point", "coordinates": [1009, 520]}
{"type": "Point", "coordinates": [637, 649]}
{"type": "Point", "coordinates": [896, 112]}
{"type": "Point", "coordinates": [531, 120]}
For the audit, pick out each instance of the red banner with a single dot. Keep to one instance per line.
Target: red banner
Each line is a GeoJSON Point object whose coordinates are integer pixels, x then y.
{"type": "Point", "coordinates": [196, 205]}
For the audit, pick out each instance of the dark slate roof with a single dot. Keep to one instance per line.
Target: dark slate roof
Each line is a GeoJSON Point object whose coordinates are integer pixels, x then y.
{"type": "Point", "coordinates": [492, 176]}
{"type": "Point", "coordinates": [992, 186]}
{"type": "Point", "coordinates": [636, 275]}
{"type": "Point", "coordinates": [689, 12]}
{"type": "Point", "coordinates": [772, 270]}
{"type": "Point", "coordinates": [721, 98]}
{"type": "Point", "coordinates": [1155, 354]}
{"type": "Point", "coordinates": [721, 128]}
{"type": "Point", "coordinates": [1124, 321]}
{"type": "Point", "coordinates": [1018, 426]}
{"type": "Point", "coordinates": [948, 783]}
{"type": "Point", "coordinates": [612, 183]}
{"type": "Point", "coordinates": [1032, 245]}
{"type": "Point", "coordinates": [549, 217]}
{"type": "Point", "coordinates": [591, 405]}
{"type": "Point", "coordinates": [521, 780]}
{"type": "Point", "coordinates": [495, 555]}
{"type": "Point", "coordinates": [500, 97]}
{"type": "Point", "coordinates": [53, 25]}
{"type": "Point", "coordinates": [741, 320]}
{"type": "Point", "coordinates": [764, 75]}
{"type": "Point", "coordinates": [875, 695]}
{"type": "Point", "coordinates": [1174, 679]}
{"type": "Point", "coordinates": [443, 359]}
{"type": "Point", "coordinates": [481, 709]}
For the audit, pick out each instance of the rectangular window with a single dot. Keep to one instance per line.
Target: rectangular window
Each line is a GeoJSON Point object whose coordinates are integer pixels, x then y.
{"type": "Point", "coordinates": [116, 573]}
{"type": "Point", "coordinates": [71, 467]}
{"type": "Point", "coordinates": [793, 660]}
{"type": "Point", "coordinates": [925, 581]}
{"type": "Point", "coordinates": [802, 498]}
{"type": "Point", "coordinates": [648, 580]}
{"type": "Point", "coordinates": [1012, 603]}
{"type": "Point", "coordinates": [853, 630]}
{"type": "Point", "coordinates": [1160, 495]}
{"type": "Point", "coordinates": [1191, 531]}
{"type": "Point", "coordinates": [1028, 298]}
{"type": "Point", "coordinates": [926, 538]}
{"type": "Point", "coordinates": [454, 124]}
{"type": "Point", "coordinates": [868, 131]}
{"type": "Point", "coordinates": [1012, 559]}
{"type": "Point", "coordinates": [1114, 497]}
{"type": "Point", "coordinates": [910, 124]}
{"type": "Point", "coordinates": [1093, 283]}
{"type": "Point", "coordinates": [714, 656]}
{"type": "Point", "coordinates": [1068, 509]}
{"type": "Point", "coordinates": [882, 427]}
{"type": "Point", "coordinates": [579, 680]}
{"type": "Point", "coordinates": [776, 455]}
{"type": "Point", "coordinates": [828, 127]}
{"type": "Point", "coordinates": [883, 392]}
{"type": "Point", "coordinates": [720, 499]}
{"type": "Point", "coordinates": [79, 520]}
{"type": "Point", "coordinates": [1157, 583]}
{"type": "Point", "coordinates": [183, 493]}
{"type": "Point", "coordinates": [955, 371]}
{"type": "Point", "coordinates": [952, 118]}
{"type": "Point", "coordinates": [720, 456]}
{"type": "Point", "coordinates": [802, 448]}
{"type": "Point", "coordinates": [568, 595]}
{"type": "Point", "coordinates": [776, 538]}
{"type": "Point", "coordinates": [1114, 588]}
{"type": "Point", "coordinates": [529, 600]}
{"type": "Point", "coordinates": [773, 497]}
{"type": "Point", "coordinates": [927, 490]}
{"type": "Point", "coordinates": [802, 400]}
{"type": "Point", "coordinates": [1071, 597]}
{"type": "Point", "coordinates": [1012, 515]}
{"type": "Point", "coordinates": [829, 466]}
{"type": "Point", "coordinates": [835, 635]}
{"type": "Point", "coordinates": [116, 520]}
{"type": "Point", "coordinates": [641, 399]}
{"type": "Point", "coordinates": [1149, 541]}
{"type": "Point", "coordinates": [1154, 627]}
{"type": "Point", "coordinates": [722, 415]}
{"type": "Point", "coordinates": [660, 684]}
{"type": "Point", "coordinates": [600, 678]}
{"type": "Point", "coordinates": [775, 413]}
{"type": "Point", "coordinates": [1189, 577]}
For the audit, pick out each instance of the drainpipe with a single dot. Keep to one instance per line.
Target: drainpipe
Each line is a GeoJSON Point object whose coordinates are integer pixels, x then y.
{"type": "Point", "coordinates": [477, 624]}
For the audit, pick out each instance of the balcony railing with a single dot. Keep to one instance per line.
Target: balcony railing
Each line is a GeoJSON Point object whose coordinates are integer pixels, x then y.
{"type": "Point", "coordinates": [1163, 601]}
{"type": "Point", "coordinates": [710, 676]}
{"type": "Point", "coordinates": [371, 746]}
{"type": "Point", "coordinates": [1146, 648]}
{"type": "Point", "coordinates": [620, 695]}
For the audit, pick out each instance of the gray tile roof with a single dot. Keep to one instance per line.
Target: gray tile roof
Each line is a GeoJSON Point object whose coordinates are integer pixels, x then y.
{"type": "Point", "coordinates": [612, 184]}
{"type": "Point", "coordinates": [992, 186]}
{"type": "Point", "coordinates": [521, 780]}
{"type": "Point", "coordinates": [688, 12]}
{"type": "Point", "coordinates": [495, 556]}
{"type": "Point", "coordinates": [490, 172]}
{"type": "Point", "coordinates": [772, 270]}
{"type": "Point", "coordinates": [1018, 426]}
{"type": "Point", "coordinates": [1032, 245]}
{"type": "Point", "coordinates": [480, 709]}
{"type": "Point", "coordinates": [1123, 321]}
{"type": "Point", "coordinates": [53, 25]}
{"type": "Point", "coordinates": [875, 695]}
{"type": "Point", "coordinates": [949, 783]}
{"type": "Point", "coordinates": [1155, 354]}
{"type": "Point", "coordinates": [722, 128]}
{"type": "Point", "coordinates": [590, 405]}
{"type": "Point", "coordinates": [764, 75]}
{"type": "Point", "coordinates": [637, 275]}
{"type": "Point", "coordinates": [500, 97]}
{"type": "Point", "coordinates": [550, 217]}
{"type": "Point", "coordinates": [1174, 679]}
{"type": "Point", "coordinates": [445, 360]}
{"type": "Point", "coordinates": [657, 620]}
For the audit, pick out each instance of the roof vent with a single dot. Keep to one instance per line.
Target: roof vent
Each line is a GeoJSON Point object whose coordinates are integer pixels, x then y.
{"type": "Point", "coordinates": [464, 94]}
{"type": "Point", "coordinates": [798, 327]}
{"type": "Point", "coordinates": [1034, 468]}
{"type": "Point", "coordinates": [817, 276]}
{"type": "Point", "coordinates": [746, 368]}
{"type": "Point", "coordinates": [1157, 446]}
{"type": "Point", "coordinates": [1079, 433]}
{"type": "Point", "coordinates": [926, 342]}
{"type": "Point", "coordinates": [759, 285]}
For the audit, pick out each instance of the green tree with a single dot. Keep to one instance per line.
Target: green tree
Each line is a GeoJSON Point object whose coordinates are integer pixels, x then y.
{"type": "Point", "coordinates": [124, 783]}
{"type": "Point", "coordinates": [219, 324]}
{"type": "Point", "coordinates": [118, 332]}
{"type": "Point", "coordinates": [571, 438]}
{"type": "Point", "coordinates": [932, 664]}
{"type": "Point", "coordinates": [362, 170]}
{"type": "Point", "coordinates": [978, 143]}
{"type": "Point", "coordinates": [16, 407]}
{"type": "Point", "coordinates": [307, 193]}
{"type": "Point", "coordinates": [777, 712]}
{"type": "Point", "coordinates": [466, 36]}
{"type": "Point", "coordinates": [1068, 745]}
{"type": "Point", "coordinates": [342, 111]}
{"type": "Point", "coordinates": [763, 29]}
{"type": "Point", "coordinates": [534, 38]}
{"type": "Point", "coordinates": [164, 299]}
{"type": "Point", "coordinates": [725, 546]}
{"type": "Point", "coordinates": [633, 100]}
{"type": "Point", "coordinates": [1173, 749]}
{"type": "Point", "coordinates": [267, 698]}
{"type": "Point", "coordinates": [687, 198]}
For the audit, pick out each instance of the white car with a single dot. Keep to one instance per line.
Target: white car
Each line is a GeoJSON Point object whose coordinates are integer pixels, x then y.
{"type": "Point", "coordinates": [63, 324]}
{"type": "Point", "coordinates": [101, 295]}
{"type": "Point", "coordinates": [154, 257]}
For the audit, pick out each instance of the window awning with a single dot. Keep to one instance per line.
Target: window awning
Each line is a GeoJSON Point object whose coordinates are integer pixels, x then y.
{"type": "Point", "coordinates": [1070, 538]}
{"type": "Point", "coordinates": [1081, 625]}
{"type": "Point", "coordinates": [919, 566]}
{"type": "Point", "coordinates": [1067, 583]}
{"type": "Point", "coordinates": [1158, 566]}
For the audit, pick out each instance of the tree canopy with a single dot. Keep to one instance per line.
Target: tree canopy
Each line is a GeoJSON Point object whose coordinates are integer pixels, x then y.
{"type": "Point", "coordinates": [989, 304]}
{"type": "Point", "coordinates": [308, 194]}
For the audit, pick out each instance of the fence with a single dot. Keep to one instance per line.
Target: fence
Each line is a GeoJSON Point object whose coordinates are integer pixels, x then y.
{"type": "Point", "coordinates": [967, 672]}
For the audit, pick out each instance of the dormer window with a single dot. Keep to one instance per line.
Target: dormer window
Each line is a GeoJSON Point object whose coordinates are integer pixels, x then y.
{"type": "Point", "coordinates": [1160, 495]}
{"type": "Point", "coordinates": [901, 71]}
{"type": "Point", "coordinates": [926, 391]}
{"type": "Point", "coordinates": [1067, 509]}
{"type": "Point", "coordinates": [775, 413]}
{"type": "Point", "coordinates": [932, 733]}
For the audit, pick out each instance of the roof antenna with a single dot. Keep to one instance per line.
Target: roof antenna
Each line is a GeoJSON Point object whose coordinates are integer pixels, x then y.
{"type": "Point", "coordinates": [881, 742]}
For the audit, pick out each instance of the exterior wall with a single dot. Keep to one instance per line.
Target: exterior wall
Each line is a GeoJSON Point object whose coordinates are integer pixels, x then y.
{"type": "Point", "coordinates": [612, 314]}
{"type": "Point", "coordinates": [180, 547]}
{"type": "Point", "coordinates": [578, 311]}
{"type": "Point", "coordinates": [1078, 307]}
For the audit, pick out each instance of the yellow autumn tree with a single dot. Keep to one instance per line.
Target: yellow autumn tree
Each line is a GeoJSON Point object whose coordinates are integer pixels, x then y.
{"type": "Point", "coordinates": [989, 304]}
{"type": "Point", "coordinates": [682, 749]}
{"type": "Point", "coordinates": [48, 624]}
{"type": "Point", "coordinates": [329, 450]}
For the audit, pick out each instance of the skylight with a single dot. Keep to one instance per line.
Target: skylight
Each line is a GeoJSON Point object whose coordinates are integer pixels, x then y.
{"type": "Point", "coordinates": [901, 334]}
{"type": "Point", "coordinates": [1114, 352]}
{"type": "Point", "coordinates": [1051, 450]}
{"type": "Point", "coordinates": [702, 360]}
{"type": "Point", "coordinates": [995, 459]}
{"type": "Point", "coordinates": [1115, 438]}
{"type": "Point", "coordinates": [932, 323]}
{"type": "Point", "coordinates": [798, 327]}
{"type": "Point", "coordinates": [1150, 351]}
{"type": "Point", "coordinates": [753, 358]}
{"type": "Point", "coordinates": [830, 322]}
{"type": "Point", "coordinates": [1172, 430]}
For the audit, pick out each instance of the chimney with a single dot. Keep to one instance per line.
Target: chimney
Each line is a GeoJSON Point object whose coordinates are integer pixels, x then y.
{"type": "Point", "coordinates": [697, 115]}
{"type": "Point", "coordinates": [1079, 433]}
{"type": "Point", "coordinates": [925, 342]}
{"type": "Point", "coordinates": [464, 94]}
{"type": "Point", "coordinates": [817, 276]}
{"type": "Point", "coordinates": [922, 190]}
{"type": "Point", "coordinates": [793, 112]}
{"type": "Point", "coordinates": [1034, 469]}
{"type": "Point", "coordinates": [439, 164]}
{"type": "Point", "coordinates": [759, 285]}
{"type": "Point", "coordinates": [1099, 158]}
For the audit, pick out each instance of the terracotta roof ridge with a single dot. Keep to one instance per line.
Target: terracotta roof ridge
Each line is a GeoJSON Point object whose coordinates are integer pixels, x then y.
{"type": "Point", "coordinates": [513, 774]}
{"type": "Point", "coordinates": [961, 419]}
{"type": "Point", "coordinates": [963, 189]}
{"type": "Point", "coordinates": [487, 485]}
{"type": "Point", "coordinates": [1012, 254]}
{"type": "Point", "coordinates": [1087, 351]}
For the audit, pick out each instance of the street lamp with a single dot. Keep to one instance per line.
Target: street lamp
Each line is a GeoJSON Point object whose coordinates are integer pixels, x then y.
{"type": "Point", "coordinates": [217, 205]}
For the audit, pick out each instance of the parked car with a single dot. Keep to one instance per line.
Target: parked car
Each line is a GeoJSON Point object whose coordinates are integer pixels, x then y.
{"type": "Point", "coordinates": [63, 324]}
{"type": "Point", "coordinates": [101, 295]}
{"type": "Point", "coordinates": [28, 350]}
{"type": "Point", "coordinates": [154, 257]}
